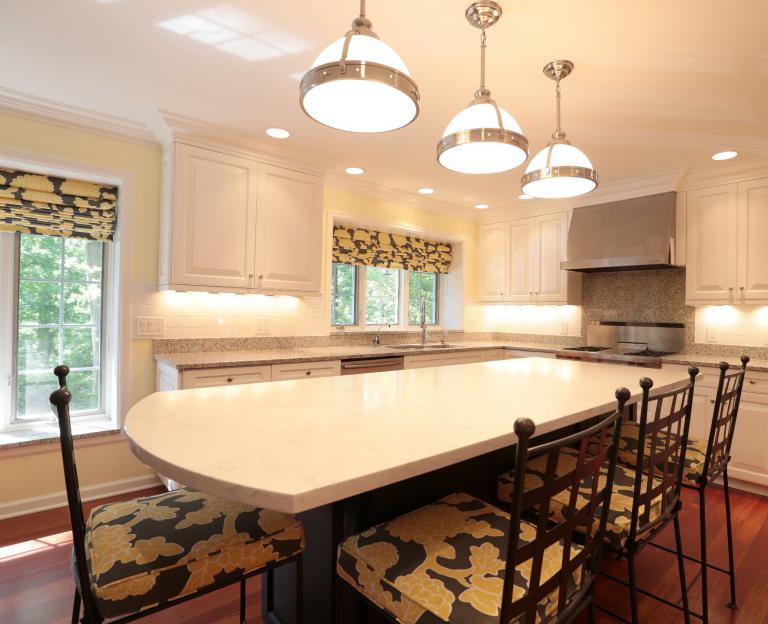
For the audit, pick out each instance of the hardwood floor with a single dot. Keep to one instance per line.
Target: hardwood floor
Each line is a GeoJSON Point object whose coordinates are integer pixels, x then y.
{"type": "Point", "coordinates": [36, 585]}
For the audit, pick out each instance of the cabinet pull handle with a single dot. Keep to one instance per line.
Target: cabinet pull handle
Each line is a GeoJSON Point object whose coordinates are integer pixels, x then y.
{"type": "Point", "coordinates": [712, 401]}
{"type": "Point", "coordinates": [250, 275]}
{"type": "Point", "coordinates": [309, 372]}
{"type": "Point", "coordinates": [230, 379]}
{"type": "Point", "coordinates": [752, 381]}
{"type": "Point", "coordinates": [741, 288]}
{"type": "Point", "coordinates": [730, 288]}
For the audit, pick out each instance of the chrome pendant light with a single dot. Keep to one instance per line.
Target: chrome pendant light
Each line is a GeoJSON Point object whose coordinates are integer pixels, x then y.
{"type": "Point", "coordinates": [360, 84]}
{"type": "Point", "coordinates": [483, 138]}
{"type": "Point", "coordinates": [560, 169]}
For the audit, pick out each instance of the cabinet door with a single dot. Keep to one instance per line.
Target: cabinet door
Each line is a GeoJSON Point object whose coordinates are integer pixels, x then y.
{"type": "Point", "coordinates": [214, 210]}
{"type": "Point", "coordinates": [749, 452]}
{"type": "Point", "coordinates": [551, 280]}
{"type": "Point", "coordinates": [442, 359]}
{"type": "Point", "coordinates": [711, 245]}
{"type": "Point", "coordinates": [289, 227]}
{"type": "Point", "coordinates": [521, 239]}
{"type": "Point", "coordinates": [753, 242]}
{"type": "Point", "coordinates": [492, 262]}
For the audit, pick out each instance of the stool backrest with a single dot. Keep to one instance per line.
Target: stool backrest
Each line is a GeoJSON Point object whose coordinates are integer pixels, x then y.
{"type": "Point", "coordinates": [664, 422]}
{"type": "Point", "coordinates": [579, 564]}
{"type": "Point", "coordinates": [60, 399]}
{"type": "Point", "coordinates": [724, 416]}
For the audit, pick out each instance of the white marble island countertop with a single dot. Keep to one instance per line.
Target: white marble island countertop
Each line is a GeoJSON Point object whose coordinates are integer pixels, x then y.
{"type": "Point", "coordinates": [296, 445]}
{"type": "Point", "coordinates": [224, 359]}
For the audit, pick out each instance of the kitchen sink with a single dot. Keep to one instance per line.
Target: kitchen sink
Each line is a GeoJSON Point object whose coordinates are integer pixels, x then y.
{"type": "Point", "coordinates": [434, 345]}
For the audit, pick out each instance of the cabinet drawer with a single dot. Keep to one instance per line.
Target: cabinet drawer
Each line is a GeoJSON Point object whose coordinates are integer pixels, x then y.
{"type": "Point", "coordinates": [756, 382]}
{"type": "Point", "coordinates": [443, 359]}
{"type": "Point", "coordinates": [209, 377]}
{"type": "Point", "coordinates": [305, 370]}
{"type": "Point", "coordinates": [491, 355]}
{"type": "Point", "coordinates": [512, 354]}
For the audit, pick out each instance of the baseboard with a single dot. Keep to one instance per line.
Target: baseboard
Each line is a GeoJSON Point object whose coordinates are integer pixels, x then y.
{"type": "Point", "coordinates": [26, 506]}
{"type": "Point", "coordinates": [746, 486]}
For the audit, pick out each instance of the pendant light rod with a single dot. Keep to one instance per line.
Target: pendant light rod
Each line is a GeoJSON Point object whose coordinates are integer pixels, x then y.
{"type": "Point", "coordinates": [362, 9]}
{"type": "Point", "coordinates": [557, 70]}
{"type": "Point", "coordinates": [482, 60]}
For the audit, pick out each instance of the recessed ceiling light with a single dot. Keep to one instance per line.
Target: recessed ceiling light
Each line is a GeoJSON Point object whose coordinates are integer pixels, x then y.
{"type": "Point", "coordinates": [524, 196]}
{"type": "Point", "coordinates": [278, 133]}
{"type": "Point", "coordinates": [482, 206]}
{"type": "Point", "coordinates": [426, 190]}
{"type": "Point", "coordinates": [355, 170]}
{"type": "Point", "coordinates": [727, 155]}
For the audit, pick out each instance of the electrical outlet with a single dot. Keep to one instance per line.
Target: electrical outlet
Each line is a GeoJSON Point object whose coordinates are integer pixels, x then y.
{"type": "Point", "coordinates": [262, 326]}
{"type": "Point", "coordinates": [712, 334]}
{"type": "Point", "coordinates": [150, 326]}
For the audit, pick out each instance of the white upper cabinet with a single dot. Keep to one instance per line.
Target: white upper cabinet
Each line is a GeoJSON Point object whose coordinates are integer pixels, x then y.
{"type": "Point", "coordinates": [520, 262]}
{"type": "Point", "coordinates": [727, 244]}
{"type": "Point", "coordinates": [289, 234]}
{"type": "Point", "coordinates": [231, 224]}
{"type": "Point", "coordinates": [526, 269]}
{"type": "Point", "coordinates": [492, 262]}
{"type": "Point", "coordinates": [753, 242]}
{"type": "Point", "coordinates": [711, 243]}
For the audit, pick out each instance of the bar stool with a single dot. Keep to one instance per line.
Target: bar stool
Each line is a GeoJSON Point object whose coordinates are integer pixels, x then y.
{"type": "Point", "coordinates": [137, 557]}
{"type": "Point", "coordinates": [705, 461]}
{"type": "Point", "coordinates": [453, 561]}
{"type": "Point", "coordinates": [646, 498]}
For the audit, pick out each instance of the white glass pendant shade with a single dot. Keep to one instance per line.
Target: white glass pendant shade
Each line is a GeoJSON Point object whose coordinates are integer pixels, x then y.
{"type": "Point", "coordinates": [567, 173]}
{"type": "Point", "coordinates": [474, 143]}
{"type": "Point", "coordinates": [371, 92]}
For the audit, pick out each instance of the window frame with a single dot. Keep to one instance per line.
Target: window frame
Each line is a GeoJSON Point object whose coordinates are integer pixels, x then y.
{"type": "Point", "coordinates": [109, 347]}
{"type": "Point", "coordinates": [361, 295]}
{"type": "Point", "coordinates": [438, 282]}
{"type": "Point", "coordinates": [355, 306]}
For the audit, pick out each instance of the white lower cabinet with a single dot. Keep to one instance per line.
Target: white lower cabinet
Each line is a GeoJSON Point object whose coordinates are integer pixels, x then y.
{"type": "Point", "coordinates": [428, 360]}
{"type": "Point", "coordinates": [749, 452]}
{"type": "Point", "coordinates": [305, 370]}
{"type": "Point", "coordinates": [491, 355]}
{"type": "Point", "coordinates": [512, 354]}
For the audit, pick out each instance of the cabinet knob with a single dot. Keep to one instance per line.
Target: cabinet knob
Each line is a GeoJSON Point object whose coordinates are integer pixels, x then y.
{"type": "Point", "coordinates": [712, 401]}
{"type": "Point", "coordinates": [309, 372]}
{"type": "Point", "coordinates": [730, 288]}
{"type": "Point", "coordinates": [261, 276]}
{"type": "Point", "coordinates": [741, 288]}
{"type": "Point", "coordinates": [230, 379]}
{"type": "Point", "coordinates": [752, 381]}
{"type": "Point", "coordinates": [250, 276]}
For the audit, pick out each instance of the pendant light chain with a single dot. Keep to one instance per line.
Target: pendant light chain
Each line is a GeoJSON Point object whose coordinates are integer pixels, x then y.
{"type": "Point", "coordinates": [482, 60]}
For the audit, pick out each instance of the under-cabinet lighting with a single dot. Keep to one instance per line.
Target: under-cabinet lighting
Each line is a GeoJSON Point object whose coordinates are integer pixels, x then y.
{"type": "Point", "coordinates": [726, 155]}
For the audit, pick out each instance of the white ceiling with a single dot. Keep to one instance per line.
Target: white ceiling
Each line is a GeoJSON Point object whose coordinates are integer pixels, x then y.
{"type": "Point", "coordinates": [658, 86]}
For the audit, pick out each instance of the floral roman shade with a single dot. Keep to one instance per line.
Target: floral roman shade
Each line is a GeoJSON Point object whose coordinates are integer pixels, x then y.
{"type": "Point", "coordinates": [377, 249]}
{"type": "Point", "coordinates": [41, 204]}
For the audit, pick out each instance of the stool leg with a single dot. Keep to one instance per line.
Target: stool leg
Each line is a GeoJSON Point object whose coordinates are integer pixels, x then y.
{"type": "Point", "coordinates": [681, 568]}
{"type": "Point", "coordinates": [76, 608]}
{"type": "Point", "coordinates": [242, 601]}
{"type": "Point", "coordinates": [732, 604]}
{"type": "Point", "coordinates": [633, 587]}
{"type": "Point", "coordinates": [703, 542]}
{"type": "Point", "coordinates": [299, 589]}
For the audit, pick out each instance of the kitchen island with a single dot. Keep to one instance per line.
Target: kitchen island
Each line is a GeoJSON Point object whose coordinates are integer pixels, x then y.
{"type": "Point", "coordinates": [343, 452]}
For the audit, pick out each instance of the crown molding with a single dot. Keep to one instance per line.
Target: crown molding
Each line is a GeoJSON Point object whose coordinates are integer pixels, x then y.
{"type": "Point", "coordinates": [345, 183]}
{"type": "Point", "coordinates": [721, 173]}
{"type": "Point", "coordinates": [69, 116]}
{"type": "Point", "coordinates": [168, 126]}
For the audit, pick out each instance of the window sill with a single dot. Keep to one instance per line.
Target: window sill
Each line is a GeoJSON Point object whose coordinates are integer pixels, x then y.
{"type": "Point", "coordinates": [48, 432]}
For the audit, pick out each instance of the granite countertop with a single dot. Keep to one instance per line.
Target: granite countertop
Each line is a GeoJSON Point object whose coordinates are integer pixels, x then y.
{"type": "Point", "coordinates": [693, 359]}
{"type": "Point", "coordinates": [301, 424]}
{"type": "Point", "coordinates": [224, 359]}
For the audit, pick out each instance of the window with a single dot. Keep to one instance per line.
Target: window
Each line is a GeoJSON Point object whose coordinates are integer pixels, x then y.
{"type": "Point", "coordinates": [382, 296]}
{"type": "Point", "coordinates": [343, 294]}
{"type": "Point", "coordinates": [56, 317]}
{"type": "Point", "coordinates": [422, 285]}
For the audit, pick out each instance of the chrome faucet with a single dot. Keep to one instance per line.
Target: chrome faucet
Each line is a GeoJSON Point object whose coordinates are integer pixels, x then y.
{"type": "Point", "coordinates": [423, 311]}
{"type": "Point", "coordinates": [377, 337]}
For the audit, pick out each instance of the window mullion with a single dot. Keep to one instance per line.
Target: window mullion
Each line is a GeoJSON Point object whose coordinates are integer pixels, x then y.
{"type": "Point", "coordinates": [405, 294]}
{"type": "Point", "coordinates": [362, 295]}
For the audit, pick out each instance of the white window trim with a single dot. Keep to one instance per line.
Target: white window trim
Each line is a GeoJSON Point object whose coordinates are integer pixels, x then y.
{"type": "Point", "coordinates": [116, 297]}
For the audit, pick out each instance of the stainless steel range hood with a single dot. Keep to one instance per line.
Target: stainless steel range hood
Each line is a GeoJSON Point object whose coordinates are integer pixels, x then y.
{"type": "Point", "coordinates": [627, 235]}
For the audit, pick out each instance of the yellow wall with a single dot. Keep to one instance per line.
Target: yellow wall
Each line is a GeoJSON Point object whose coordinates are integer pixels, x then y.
{"type": "Point", "coordinates": [39, 474]}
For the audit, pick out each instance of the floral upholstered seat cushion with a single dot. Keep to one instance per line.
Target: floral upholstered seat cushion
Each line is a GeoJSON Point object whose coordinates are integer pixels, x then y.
{"type": "Point", "coordinates": [153, 550]}
{"type": "Point", "coordinates": [695, 452]}
{"type": "Point", "coordinates": [444, 562]}
{"type": "Point", "coordinates": [620, 511]}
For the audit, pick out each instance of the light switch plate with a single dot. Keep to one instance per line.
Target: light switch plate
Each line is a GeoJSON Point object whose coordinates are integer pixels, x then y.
{"type": "Point", "coordinates": [712, 334]}
{"type": "Point", "coordinates": [150, 326]}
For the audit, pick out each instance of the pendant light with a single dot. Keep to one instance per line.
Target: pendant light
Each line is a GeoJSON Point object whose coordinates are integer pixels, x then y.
{"type": "Point", "coordinates": [560, 169]}
{"type": "Point", "coordinates": [360, 84]}
{"type": "Point", "coordinates": [483, 138]}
